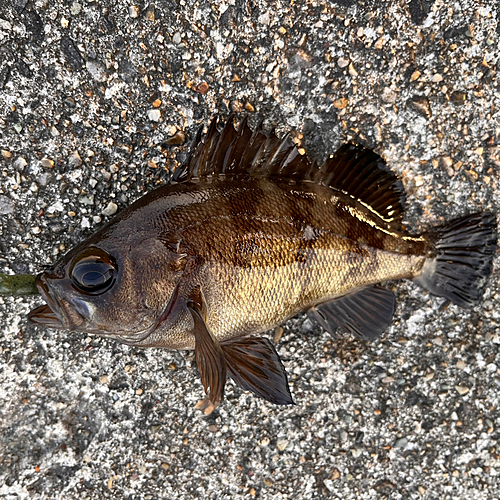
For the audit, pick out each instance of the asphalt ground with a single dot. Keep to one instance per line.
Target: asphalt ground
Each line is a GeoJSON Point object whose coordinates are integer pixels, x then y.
{"type": "Point", "coordinates": [99, 102]}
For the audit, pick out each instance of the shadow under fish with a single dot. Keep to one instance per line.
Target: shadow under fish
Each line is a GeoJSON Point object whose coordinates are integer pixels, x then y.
{"type": "Point", "coordinates": [247, 235]}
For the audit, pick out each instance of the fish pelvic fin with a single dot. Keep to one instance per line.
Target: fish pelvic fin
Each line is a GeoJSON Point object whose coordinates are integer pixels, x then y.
{"type": "Point", "coordinates": [365, 313]}
{"type": "Point", "coordinates": [208, 352]}
{"type": "Point", "coordinates": [461, 259]}
{"type": "Point", "coordinates": [353, 169]}
{"type": "Point", "coordinates": [255, 366]}
{"type": "Point", "coordinates": [252, 362]}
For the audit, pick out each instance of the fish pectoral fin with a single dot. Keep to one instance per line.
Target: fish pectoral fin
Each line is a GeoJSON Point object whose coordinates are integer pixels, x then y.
{"type": "Point", "coordinates": [208, 353]}
{"type": "Point", "coordinates": [255, 366]}
{"type": "Point", "coordinates": [366, 313]}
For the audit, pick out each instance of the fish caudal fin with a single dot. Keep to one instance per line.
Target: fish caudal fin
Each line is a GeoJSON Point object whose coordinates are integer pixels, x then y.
{"type": "Point", "coordinates": [462, 258]}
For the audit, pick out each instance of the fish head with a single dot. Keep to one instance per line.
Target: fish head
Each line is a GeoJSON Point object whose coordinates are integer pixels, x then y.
{"type": "Point", "coordinates": [116, 285]}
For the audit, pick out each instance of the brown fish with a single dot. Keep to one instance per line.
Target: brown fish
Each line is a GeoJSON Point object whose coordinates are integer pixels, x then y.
{"type": "Point", "coordinates": [249, 234]}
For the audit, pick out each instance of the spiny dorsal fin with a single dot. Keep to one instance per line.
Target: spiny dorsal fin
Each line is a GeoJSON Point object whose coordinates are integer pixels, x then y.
{"type": "Point", "coordinates": [353, 169]}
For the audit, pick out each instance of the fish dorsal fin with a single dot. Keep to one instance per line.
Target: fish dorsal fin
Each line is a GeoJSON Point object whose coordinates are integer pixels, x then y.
{"type": "Point", "coordinates": [364, 175]}
{"type": "Point", "coordinates": [354, 170]}
{"type": "Point", "coordinates": [241, 152]}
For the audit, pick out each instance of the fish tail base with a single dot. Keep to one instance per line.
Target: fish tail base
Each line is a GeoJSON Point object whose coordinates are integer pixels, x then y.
{"type": "Point", "coordinates": [461, 260]}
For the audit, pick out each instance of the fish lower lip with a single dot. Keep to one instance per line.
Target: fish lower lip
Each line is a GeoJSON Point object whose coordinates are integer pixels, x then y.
{"type": "Point", "coordinates": [45, 316]}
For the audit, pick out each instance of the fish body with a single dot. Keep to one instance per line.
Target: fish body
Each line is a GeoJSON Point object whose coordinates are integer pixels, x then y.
{"type": "Point", "coordinates": [248, 235]}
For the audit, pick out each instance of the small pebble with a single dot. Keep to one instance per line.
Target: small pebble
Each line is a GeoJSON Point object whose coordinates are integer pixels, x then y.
{"type": "Point", "coordinates": [202, 88]}
{"type": "Point", "coordinates": [415, 76]}
{"type": "Point", "coordinates": [422, 105]}
{"type": "Point", "coordinates": [20, 163]}
{"type": "Point", "coordinates": [264, 19]}
{"type": "Point", "coordinates": [154, 115]}
{"type": "Point", "coordinates": [307, 325]}
{"type": "Point", "coordinates": [457, 97]}
{"type": "Point", "coordinates": [342, 62]}
{"type": "Point", "coordinates": [6, 205]}
{"type": "Point", "coordinates": [401, 443]}
{"type": "Point", "coordinates": [75, 8]}
{"type": "Point", "coordinates": [133, 11]}
{"type": "Point", "coordinates": [110, 209]}
{"type": "Point", "coordinates": [6, 155]}
{"type": "Point", "coordinates": [86, 199]}
{"type": "Point", "coordinates": [281, 444]}
{"type": "Point", "coordinates": [74, 159]}
{"type": "Point", "coordinates": [97, 70]}
{"type": "Point", "coordinates": [389, 96]}
{"type": "Point", "coordinates": [341, 103]}
{"type": "Point", "coordinates": [5, 25]}
{"type": "Point", "coordinates": [47, 163]}
{"type": "Point", "coordinates": [264, 441]}
{"type": "Point", "coordinates": [177, 139]}
{"type": "Point", "coordinates": [462, 390]}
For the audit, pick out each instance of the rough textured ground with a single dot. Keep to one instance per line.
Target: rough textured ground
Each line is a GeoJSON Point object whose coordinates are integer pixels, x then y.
{"type": "Point", "coordinates": [99, 101]}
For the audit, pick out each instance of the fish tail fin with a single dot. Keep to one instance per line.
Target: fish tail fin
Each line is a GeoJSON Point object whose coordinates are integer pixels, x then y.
{"type": "Point", "coordinates": [461, 258]}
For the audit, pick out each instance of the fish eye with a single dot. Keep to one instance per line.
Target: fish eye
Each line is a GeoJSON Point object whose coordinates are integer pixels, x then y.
{"type": "Point", "coordinates": [93, 271]}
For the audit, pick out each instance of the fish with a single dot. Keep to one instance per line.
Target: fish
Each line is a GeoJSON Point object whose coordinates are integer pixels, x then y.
{"type": "Point", "coordinates": [248, 234]}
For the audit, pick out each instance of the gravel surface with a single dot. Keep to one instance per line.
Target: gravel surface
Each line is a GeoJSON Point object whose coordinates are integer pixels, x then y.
{"type": "Point", "coordinates": [99, 101]}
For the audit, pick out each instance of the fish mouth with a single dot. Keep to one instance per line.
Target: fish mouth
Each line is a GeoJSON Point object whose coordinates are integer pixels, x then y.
{"type": "Point", "coordinates": [45, 316]}
{"type": "Point", "coordinates": [56, 313]}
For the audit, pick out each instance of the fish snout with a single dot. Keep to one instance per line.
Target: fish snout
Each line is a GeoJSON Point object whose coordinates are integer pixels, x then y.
{"type": "Point", "coordinates": [58, 312]}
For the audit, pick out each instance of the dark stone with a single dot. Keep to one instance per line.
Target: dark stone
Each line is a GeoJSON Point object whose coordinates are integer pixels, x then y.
{"type": "Point", "coordinates": [4, 75]}
{"type": "Point", "coordinates": [33, 23]}
{"type": "Point", "coordinates": [415, 398]}
{"type": "Point", "coordinates": [119, 384]}
{"type": "Point", "coordinates": [359, 437]}
{"type": "Point", "coordinates": [72, 54]}
{"type": "Point", "coordinates": [127, 70]}
{"type": "Point", "coordinates": [19, 5]}
{"type": "Point", "coordinates": [455, 33]}
{"type": "Point", "coordinates": [344, 3]}
{"type": "Point", "coordinates": [24, 69]}
{"type": "Point", "coordinates": [385, 487]}
{"type": "Point", "coordinates": [109, 24]}
{"type": "Point", "coordinates": [457, 97]}
{"type": "Point", "coordinates": [419, 10]}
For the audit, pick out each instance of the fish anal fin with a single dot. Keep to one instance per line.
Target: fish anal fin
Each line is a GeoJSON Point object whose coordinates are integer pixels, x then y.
{"type": "Point", "coordinates": [208, 352]}
{"type": "Point", "coordinates": [365, 313]}
{"type": "Point", "coordinates": [255, 366]}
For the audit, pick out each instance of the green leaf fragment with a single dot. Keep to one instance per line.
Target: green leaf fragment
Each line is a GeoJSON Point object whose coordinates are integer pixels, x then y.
{"type": "Point", "coordinates": [18, 284]}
